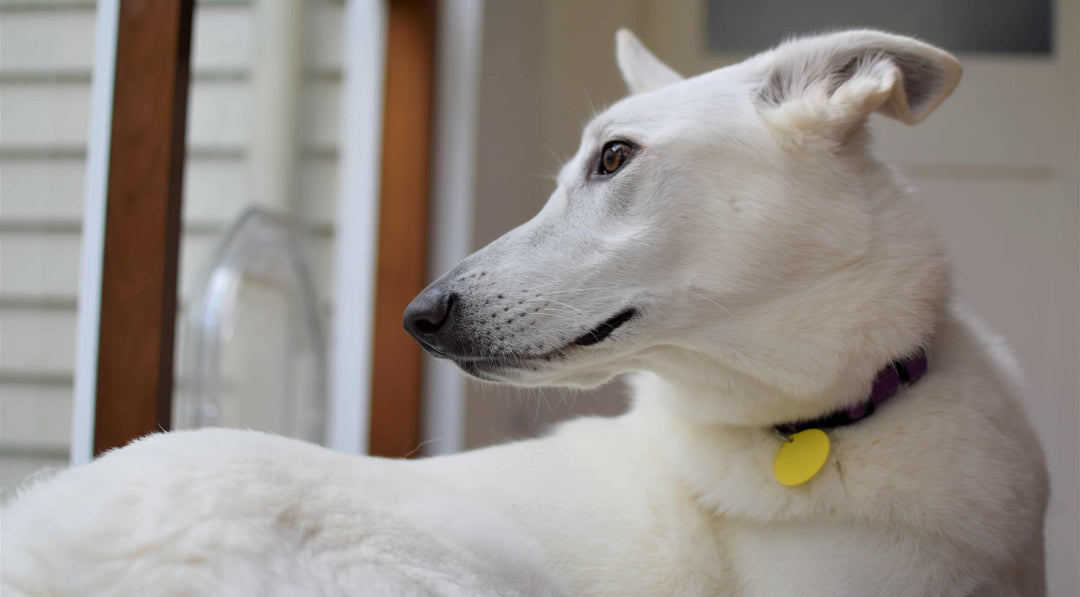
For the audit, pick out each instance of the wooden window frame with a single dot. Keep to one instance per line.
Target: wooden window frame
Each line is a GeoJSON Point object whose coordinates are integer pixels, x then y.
{"type": "Point", "coordinates": [396, 376]}
{"type": "Point", "coordinates": [142, 221]}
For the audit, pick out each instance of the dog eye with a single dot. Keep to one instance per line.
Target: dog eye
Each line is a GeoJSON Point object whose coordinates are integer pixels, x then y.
{"type": "Point", "coordinates": [613, 156]}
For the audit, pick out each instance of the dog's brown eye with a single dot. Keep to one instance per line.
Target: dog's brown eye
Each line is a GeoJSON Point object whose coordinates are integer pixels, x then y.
{"type": "Point", "coordinates": [613, 156]}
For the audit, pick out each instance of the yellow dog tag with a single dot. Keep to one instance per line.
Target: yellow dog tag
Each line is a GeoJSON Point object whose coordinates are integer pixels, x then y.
{"type": "Point", "coordinates": [801, 457]}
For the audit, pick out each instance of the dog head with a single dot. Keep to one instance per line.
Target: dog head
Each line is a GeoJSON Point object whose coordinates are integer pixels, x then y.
{"type": "Point", "coordinates": [732, 221]}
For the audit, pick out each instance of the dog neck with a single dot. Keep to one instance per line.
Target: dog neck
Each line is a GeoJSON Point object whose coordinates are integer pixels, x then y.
{"type": "Point", "coordinates": [887, 383]}
{"type": "Point", "coordinates": [815, 347]}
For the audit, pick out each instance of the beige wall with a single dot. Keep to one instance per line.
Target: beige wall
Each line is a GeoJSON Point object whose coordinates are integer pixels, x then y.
{"type": "Point", "coordinates": [996, 166]}
{"type": "Point", "coordinates": [541, 80]}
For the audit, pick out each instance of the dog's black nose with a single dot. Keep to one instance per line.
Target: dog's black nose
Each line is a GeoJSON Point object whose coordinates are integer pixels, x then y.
{"type": "Point", "coordinates": [428, 313]}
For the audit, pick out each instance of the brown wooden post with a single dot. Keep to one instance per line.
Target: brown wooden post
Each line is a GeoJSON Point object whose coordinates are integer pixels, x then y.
{"type": "Point", "coordinates": [403, 224]}
{"type": "Point", "coordinates": [142, 222]}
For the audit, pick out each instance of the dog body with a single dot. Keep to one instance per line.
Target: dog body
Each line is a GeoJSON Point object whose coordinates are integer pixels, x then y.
{"type": "Point", "coordinates": [235, 513]}
{"type": "Point", "coordinates": [732, 240]}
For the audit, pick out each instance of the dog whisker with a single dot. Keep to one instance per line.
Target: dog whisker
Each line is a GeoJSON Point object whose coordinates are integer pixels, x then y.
{"type": "Point", "coordinates": [718, 305]}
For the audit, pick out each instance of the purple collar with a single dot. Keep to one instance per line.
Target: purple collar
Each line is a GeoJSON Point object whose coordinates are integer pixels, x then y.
{"type": "Point", "coordinates": [904, 372]}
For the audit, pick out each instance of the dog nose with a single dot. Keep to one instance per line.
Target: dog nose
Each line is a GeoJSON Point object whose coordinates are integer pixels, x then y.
{"type": "Point", "coordinates": [428, 313]}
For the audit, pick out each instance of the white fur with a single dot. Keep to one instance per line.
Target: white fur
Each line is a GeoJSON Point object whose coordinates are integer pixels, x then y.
{"type": "Point", "coordinates": [775, 266]}
{"type": "Point", "coordinates": [242, 513]}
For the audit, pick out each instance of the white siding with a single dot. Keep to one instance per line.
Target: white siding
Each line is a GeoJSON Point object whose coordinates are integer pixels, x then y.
{"type": "Point", "coordinates": [41, 189]}
{"type": "Point", "coordinates": [46, 51]}
{"type": "Point", "coordinates": [49, 38]}
{"type": "Point", "coordinates": [46, 55]}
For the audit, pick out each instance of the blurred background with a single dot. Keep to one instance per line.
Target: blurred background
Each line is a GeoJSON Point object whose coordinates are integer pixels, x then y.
{"type": "Point", "coordinates": [337, 155]}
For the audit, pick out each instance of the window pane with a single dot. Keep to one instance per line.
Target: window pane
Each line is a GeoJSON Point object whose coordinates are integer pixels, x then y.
{"type": "Point", "coordinates": [1012, 26]}
{"type": "Point", "coordinates": [259, 200]}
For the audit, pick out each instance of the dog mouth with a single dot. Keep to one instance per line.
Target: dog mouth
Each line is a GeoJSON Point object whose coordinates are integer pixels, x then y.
{"type": "Point", "coordinates": [602, 331]}
{"type": "Point", "coordinates": [482, 367]}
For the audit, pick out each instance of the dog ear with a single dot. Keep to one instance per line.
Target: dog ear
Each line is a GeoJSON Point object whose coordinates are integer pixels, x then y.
{"type": "Point", "coordinates": [640, 69]}
{"type": "Point", "coordinates": [843, 77]}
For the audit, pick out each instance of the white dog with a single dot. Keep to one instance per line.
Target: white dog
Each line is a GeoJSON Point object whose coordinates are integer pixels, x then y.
{"type": "Point", "coordinates": [812, 415]}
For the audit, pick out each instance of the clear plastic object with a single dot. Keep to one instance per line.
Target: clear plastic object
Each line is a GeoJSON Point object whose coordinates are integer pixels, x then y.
{"type": "Point", "coordinates": [255, 357]}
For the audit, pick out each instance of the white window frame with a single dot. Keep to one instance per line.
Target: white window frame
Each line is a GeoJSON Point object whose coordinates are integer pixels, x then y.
{"type": "Point", "coordinates": [357, 226]}
{"type": "Point", "coordinates": [93, 231]}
